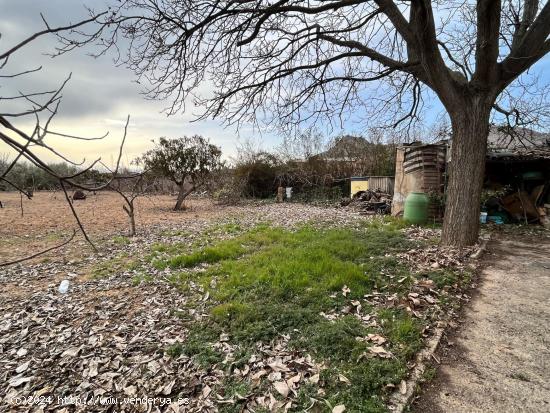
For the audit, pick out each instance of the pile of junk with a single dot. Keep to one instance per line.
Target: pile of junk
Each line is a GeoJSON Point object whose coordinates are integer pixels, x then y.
{"type": "Point", "coordinates": [528, 203]}
{"type": "Point", "coordinates": [517, 179]}
{"type": "Point", "coordinates": [369, 202]}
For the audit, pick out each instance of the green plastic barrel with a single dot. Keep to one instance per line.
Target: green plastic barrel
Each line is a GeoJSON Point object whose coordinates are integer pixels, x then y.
{"type": "Point", "coordinates": [416, 208]}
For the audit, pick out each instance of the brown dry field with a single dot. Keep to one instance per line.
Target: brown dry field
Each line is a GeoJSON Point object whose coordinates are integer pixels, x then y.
{"type": "Point", "coordinates": [47, 218]}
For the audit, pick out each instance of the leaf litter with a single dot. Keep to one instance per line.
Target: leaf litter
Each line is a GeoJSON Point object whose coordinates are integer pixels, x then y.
{"type": "Point", "coordinates": [107, 337]}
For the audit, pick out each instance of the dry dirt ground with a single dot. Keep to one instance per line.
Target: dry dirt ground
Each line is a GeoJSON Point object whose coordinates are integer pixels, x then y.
{"type": "Point", "coordinates": [499, 358]}
{"type": "Point", "coordinates": [47, 219]}
{"type": "Point", "coordinates": [110, 333]}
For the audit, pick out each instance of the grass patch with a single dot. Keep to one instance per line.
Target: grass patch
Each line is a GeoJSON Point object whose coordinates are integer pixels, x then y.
{"type": "Point", "coordinates": [448, 278]}
{"type": "Point", "coordinates": [141, 278]}
{"type": "Point", "coordinates": [335, 340]}
{"type": "Point", "coordinates": [113, 265]}
{"type": "Point", "coordinates": [198, 346]}
{"type": "Point", "coordinates": [306, 266]}
{"type": "Point", "coordinates": [121, 240]}
{"type": "Point", "coordinates": [429, 374]}
{"type": "Point", "coordinates": [236, 390]}
{"type": "Point", "coordinates": [226, 228]}
{"type": "Point", "coordinates": [175, 233]}
{"type": "Point", "coordinates": [220, 251]}
{"type": "Point", "coordinates": [271, 281]}
{"type": "Point", "coordinates": [403, 332]}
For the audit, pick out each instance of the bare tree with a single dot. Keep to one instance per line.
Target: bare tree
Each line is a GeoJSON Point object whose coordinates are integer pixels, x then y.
{"type": "Point", "coordinates": [292, 61]}
{"type": "Point", "coordinates": [311, 161]}
{"type": "Point", "coordinates": [130, 187]}
{"type": "Point", "coordinates": [42, 106]}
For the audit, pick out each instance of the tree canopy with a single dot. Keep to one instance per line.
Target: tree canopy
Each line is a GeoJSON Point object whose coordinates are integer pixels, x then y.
{"type": "Point", "coordinates": [185, 161]}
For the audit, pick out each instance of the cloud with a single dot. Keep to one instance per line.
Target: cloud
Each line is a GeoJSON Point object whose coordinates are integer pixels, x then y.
{"type": "Point", "coordinates": [99, 95]}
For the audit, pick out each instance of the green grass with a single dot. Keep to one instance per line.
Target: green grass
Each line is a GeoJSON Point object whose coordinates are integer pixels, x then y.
{"type": "Point", "coordinates": [233, 389]}
{"type": "Point", "coordinates": [114, 265]}
{"type": "Point", "coordinates": [121, 240]}
{"type": "Point", "coordinates": [446, 277]}
{"type": "Point", "coordinates": [429, 374]}
{"type": "Point", "coordinates": [198, 346]}
{"type": "Point", "coordinates": [271, 281]}
{"type": "Point", "coordinates": [222, 250]}
{"type": "Point", "coordinates": [175, 233]}
{"type": "Point", "coordinates": [140, 278]}
{"type": "Point", "coordinates": [306, 265]}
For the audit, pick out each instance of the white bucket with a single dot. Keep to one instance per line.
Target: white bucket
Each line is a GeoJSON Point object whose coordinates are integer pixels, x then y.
{"type": "Point", "coordinates": [483, 217]}
{"type": "Point", "coordinates": [288, 192]}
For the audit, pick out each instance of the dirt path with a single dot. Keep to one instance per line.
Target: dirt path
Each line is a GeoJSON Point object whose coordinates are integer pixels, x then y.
{"type": "Point", "coordinates": [500, 357]}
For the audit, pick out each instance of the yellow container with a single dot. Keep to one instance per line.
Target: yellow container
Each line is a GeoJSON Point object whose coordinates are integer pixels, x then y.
{"type": "Point", "coordinates": [358, 183]}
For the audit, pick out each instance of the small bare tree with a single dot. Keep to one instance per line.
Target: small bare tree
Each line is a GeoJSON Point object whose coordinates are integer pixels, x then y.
{"type": "Point", "coordinates": [130, 187]}
{"type": "Point", "coordinates": [42, 106]}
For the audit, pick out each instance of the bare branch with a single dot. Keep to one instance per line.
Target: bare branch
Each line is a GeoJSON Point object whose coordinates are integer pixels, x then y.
{"type": "Point", "coordinates": [30, 257]}
{"type": "Point", "coordinates": [48, 30]}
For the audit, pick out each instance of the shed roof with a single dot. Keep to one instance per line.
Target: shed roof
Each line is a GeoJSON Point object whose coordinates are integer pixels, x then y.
{"type": "Point", "coordinates": [520, 143]}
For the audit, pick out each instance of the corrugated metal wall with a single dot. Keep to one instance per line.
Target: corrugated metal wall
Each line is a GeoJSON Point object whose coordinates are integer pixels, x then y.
{"type": "Point", "coordinates": [383, 183]}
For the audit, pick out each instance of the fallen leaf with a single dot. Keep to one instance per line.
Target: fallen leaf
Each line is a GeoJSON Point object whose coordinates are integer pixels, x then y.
{"type": "Point", "coordinates": [130, 390]}
{"type": "Point", "coordinates": [282, 388]}
{"type": "Point", "coordinates": [259, 374]}
{"type": "Point", "coordinates": [92, 369]}
{"type": "Point", "coordinates": [206, 390]}
{"type": "Point", "coordinates": [339, 409]}
{"type": "Point", "coordinates": [314, 379]}
{"type": "Point", "coordinates": [278, 365]}
{"type": "Point", "coordinates": [343, 379]}
{"type": "Point", "coordinates": [293, 380]}
{"type": "Point", "coordinates": [71, 352]}
{"type": "Point", "coordinates": [167, 389]}
{"type": "Point", "coordinates": [18, 381]}
{"type": "Point", "coordinates": [22, 352]}
{"type": "Point", "coordinates": [376, 338]}
{"type": "Point", "coordinates": [403, 387]}
{"type": "Point", "coordinates": [380, 351]}
{"type": "Point", "coordinates": [23, 367]}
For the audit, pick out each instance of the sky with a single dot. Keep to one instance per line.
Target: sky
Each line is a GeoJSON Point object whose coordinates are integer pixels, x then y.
{"type": "Point", "coordinates": [100, 95]}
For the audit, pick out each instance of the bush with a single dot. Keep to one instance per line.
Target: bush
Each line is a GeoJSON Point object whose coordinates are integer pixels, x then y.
{"type": "Point", "coordinates": [260, 173]}
{"type": "Point", "coordinates": [226, 188]}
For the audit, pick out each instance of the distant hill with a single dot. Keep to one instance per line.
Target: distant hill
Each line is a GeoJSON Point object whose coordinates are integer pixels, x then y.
{"type": "Point", "coordinates": [348, 148]}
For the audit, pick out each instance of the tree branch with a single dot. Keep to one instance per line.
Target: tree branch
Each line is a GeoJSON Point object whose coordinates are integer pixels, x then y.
{"type": "Point", "coordinates": [68, 240]}
{"type": "Point", "coordinates": [529, 49]}
{"type": "Point", "coordinates": [487, 47]}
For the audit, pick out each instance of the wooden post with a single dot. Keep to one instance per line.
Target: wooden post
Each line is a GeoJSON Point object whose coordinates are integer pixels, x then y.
{"type": "Point", "coordinates": [280, 192]}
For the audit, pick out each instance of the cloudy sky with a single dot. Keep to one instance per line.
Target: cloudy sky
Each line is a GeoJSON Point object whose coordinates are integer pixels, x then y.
{"type": "Point", "coordinates": [99, 95]}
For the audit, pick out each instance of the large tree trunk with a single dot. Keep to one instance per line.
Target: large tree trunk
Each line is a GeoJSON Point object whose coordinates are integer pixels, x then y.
{"type": "Point", "coordinates": [470, 125]}
{"type": "Point", "coordinates": [184, 191]}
